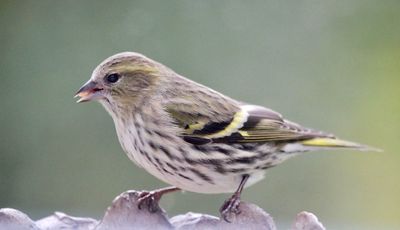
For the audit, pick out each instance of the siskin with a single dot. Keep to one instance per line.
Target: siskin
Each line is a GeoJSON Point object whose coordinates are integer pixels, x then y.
{"type": "Point", "coordinates": [191, 136]}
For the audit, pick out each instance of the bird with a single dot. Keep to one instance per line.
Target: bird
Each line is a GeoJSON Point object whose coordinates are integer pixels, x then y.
{"type": "Point", "coordinates": [192, 137]}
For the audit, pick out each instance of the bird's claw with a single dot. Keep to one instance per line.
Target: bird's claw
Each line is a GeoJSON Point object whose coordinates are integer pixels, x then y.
{"type": "Point", "coordinates": [230, 207]}
{"type": "Point", "coordinates": [150, 199]}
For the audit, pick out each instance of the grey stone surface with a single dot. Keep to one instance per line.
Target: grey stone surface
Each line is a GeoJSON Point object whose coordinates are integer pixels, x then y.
{"type": "Point", "coordinates": [13, 219]}
{"type": "Point", "coordinates": [61, 220]}
{"type": "Point", "coordinates": [307, 221]}
{"type": "Point", "coordinates": [251, 217]}
{"type": "Point", "coordinates": [125, 214]}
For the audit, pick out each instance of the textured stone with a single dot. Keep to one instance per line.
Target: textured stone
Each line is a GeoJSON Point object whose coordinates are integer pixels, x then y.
{"type": "Point", "coordinates": [307, 221]}
{"type": "Point", "coordinates": [15, 220]}
{"type": "Point", "coordinates": [61, 220]}
{"type": "Point", "coordinates": [125, 214]}
{"type": "Point", "coordinates": [251, 217]}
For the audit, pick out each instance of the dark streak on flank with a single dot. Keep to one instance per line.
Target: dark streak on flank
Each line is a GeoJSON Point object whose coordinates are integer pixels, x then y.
{"type": "Point", "coordinates": [220, 169]}
{"type": "Point", "coordinates": [148, 132]}
{"type": "Point", "coordinates": [182, 151]}
{"type": "Point", "coordinates": [202, 148]}
{"type": "Point", "coordinates": [183, 169]}
{"type": "Point", "coordinates": [152, 145]}
{"type": "Point", "coordinates": [147, 156]}
{"type": "Point", "coordinates": [216, 164]}
{"type": "Point", "coordinates": [183, 176]}
{"type": "Point", "coordinates": [242, 160]}
{"type": "Point", "coordinates": [266, 167]}
{"type": "Point", "coordinates": [153, 163]}
{"type": "Point", "coordinates": [237, 170]}
{"type": "Point", "coordinates": [166, 152]}
{"type": "Point", "coordinates": [222, 150]}
{"type": "Point", "coordinates": [165, 170]}
{"type": "Point", "coordinates": [161, 134]}
{"type": "Point", "coordinates": [159, 162]}
{"type": "Point", "coordinates": [171, 166]}
{"type": "Point", "coordinates": [263, 155]}
{"type": "Point", "coordinates": [202, 175]}
{"type": "Point", "coordinates": [210, 161]}
{"type": "Point", "coordinates": [190, 161]}
{"type": "Point", "coordinates": [140, 137]}
{"type": "Point", "coordinates": [136, 124]}
{"type": "Point", "coordinates": [246, 147]}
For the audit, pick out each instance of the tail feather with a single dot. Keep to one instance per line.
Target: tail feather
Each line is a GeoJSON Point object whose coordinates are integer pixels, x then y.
{"type": "Point", "coordinates": [336, 143]}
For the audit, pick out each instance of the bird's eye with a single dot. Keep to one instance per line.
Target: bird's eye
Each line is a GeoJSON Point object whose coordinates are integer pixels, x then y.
{"type": "Point", "coordinates": [112, 78]}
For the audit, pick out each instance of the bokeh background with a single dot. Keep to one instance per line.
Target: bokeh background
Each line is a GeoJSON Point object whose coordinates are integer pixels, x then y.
{"type": "Point", "coordinates": [332, 65]}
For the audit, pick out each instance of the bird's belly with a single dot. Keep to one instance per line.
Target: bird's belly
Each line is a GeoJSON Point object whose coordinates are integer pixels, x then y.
{"type": "Point", "coordinates": [189, 180]}
{"type": "Point", "coordinates": [200, 178]}
{"type": "Point", "coordinates": [213, 168]}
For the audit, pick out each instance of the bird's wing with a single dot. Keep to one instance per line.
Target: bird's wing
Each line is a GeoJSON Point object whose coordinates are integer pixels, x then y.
{"type": "Point", "coordinates": [263, 125]}
{"type": "Point", "coordinates": [249, 123]}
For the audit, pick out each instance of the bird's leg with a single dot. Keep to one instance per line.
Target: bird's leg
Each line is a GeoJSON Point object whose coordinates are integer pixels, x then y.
{"type": "Point", "coordinates": [151, 198]}
{"type": "Point", "coordinates": [231, 205]}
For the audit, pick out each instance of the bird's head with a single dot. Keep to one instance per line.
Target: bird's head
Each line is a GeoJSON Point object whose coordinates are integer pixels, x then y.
{"type": "Point", "coordinates": [122, 79]}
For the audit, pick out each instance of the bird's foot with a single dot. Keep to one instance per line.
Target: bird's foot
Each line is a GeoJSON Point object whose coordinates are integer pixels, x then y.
{"type": "Point", "coordinates": [230, 207]}
{"type": "Point", "coordinates": [151, 198]}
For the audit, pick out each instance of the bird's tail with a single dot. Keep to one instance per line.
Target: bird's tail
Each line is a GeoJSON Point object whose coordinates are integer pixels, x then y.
{"type": "Point", "coordinates": [325, 143]}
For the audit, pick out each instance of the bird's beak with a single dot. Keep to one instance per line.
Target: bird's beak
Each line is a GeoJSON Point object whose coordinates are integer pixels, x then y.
{"type": "Point", "coordinates": [89, 91]}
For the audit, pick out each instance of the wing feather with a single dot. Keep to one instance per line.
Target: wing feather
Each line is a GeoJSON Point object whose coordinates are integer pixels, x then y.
{"type": "Point", "coordinates": [250, 124]}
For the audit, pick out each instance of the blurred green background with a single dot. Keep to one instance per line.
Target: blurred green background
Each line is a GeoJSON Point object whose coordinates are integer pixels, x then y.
{"type": "Point", "coordinates": [331, 65]}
